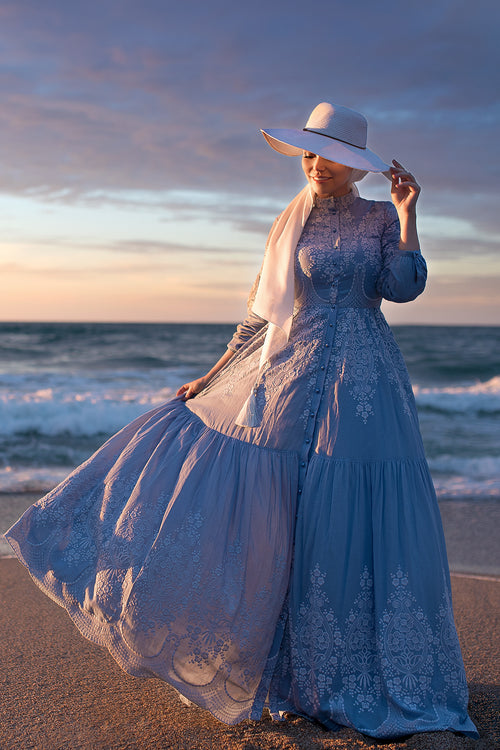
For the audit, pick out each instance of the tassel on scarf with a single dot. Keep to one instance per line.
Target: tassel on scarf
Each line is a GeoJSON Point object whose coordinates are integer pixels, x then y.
{"type": "Point", "coordinates": [248, 416]}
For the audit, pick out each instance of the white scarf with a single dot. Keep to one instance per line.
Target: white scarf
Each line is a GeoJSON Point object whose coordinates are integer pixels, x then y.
{"type": "Point", "coordinates": [276, 291]}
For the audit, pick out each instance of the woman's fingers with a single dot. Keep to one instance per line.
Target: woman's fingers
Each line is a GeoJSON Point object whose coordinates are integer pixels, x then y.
{"type": "Point", "coordinates": [189, 390]}
{"type": "Point", "coordinates": [408, 183]}
{"type": "Point", "coordinates": [399, 173]}
{"type": "Point", "coordinates": [185, 390]}
{"type": "Point", "coordinates": [404, 189]}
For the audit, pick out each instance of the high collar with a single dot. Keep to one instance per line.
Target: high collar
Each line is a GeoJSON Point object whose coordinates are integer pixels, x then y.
{"type": "Point", "coordinates": [332, 201]}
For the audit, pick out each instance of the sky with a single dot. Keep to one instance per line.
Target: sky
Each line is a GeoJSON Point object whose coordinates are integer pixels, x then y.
{"type": "Point", "coordinates": [135, 184]}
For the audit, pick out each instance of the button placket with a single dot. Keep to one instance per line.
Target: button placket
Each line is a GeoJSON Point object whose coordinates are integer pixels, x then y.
{"type": "Point", "coordinates": [324, 354]}
{"type": "Point", "coordinates": [305, 453]}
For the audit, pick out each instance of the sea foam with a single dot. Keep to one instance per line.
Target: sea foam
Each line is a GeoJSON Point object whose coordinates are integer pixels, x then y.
{"type": "Point", "coordinates": [84, 407]}
{"type": "Point", "coordinates": [477, 398]}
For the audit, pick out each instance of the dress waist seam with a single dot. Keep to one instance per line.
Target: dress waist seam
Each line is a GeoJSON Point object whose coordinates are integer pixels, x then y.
{"type": "Point", "coordinates": [386, 460]}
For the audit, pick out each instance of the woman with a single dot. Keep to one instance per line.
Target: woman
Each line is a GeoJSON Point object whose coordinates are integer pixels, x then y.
{"type": "Point", "coordinates": [271, 536]}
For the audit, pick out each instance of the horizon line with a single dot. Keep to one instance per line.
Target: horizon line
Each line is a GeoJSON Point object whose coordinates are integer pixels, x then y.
{"type": "Point", "coordinates": [221, 322]}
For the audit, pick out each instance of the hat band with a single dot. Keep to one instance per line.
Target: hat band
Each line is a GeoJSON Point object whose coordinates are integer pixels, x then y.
{"type": "Point", "coordinates": [311, 130]}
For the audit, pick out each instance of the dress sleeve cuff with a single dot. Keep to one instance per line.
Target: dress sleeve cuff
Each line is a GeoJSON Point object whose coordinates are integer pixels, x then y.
{"type": "Point", "coordinates": [403, 277]}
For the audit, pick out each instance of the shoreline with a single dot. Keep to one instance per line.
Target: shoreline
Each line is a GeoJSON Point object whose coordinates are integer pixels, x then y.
{"type": "Point", "coordinates": [470, 528]}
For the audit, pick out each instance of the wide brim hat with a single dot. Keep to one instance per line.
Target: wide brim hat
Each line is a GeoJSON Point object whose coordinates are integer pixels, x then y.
{"type": "Point", "coordinates": [336, 133]}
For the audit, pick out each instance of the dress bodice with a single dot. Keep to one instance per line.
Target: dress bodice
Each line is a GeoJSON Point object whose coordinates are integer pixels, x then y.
{"type": "Point", "coordinates": [337, 260]}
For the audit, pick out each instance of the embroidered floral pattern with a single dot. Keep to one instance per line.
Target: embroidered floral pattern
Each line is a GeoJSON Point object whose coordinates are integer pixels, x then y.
{"type": "Point", "coordinates": [297, 363]}
{"type": "Point", "coordinates": [315, 641]}
{"type": "Point", "coordinates": [406, 646]}
{"type": "Point", "coordinates": [370, 656]}
{"type": "Point", "coordinates": [355, 362]}
{"type": "Point", "coordinates": [361, 677]}
{"type": "Point", "coordinates": [212, 629]}
{"type": "Point", "coordinates": [448, 650]}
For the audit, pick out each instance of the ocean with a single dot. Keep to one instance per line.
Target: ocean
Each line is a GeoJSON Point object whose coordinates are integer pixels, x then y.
{"type": "Point", "coordinates": [66, 387]}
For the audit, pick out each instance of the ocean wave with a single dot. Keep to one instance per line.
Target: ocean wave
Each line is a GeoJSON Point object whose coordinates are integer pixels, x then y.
{"type": "Point", "coordinates": [92, 406]}
{"type": "Point", "coordinates": [477, 398]}
{"type": "Point", "coordinates": [79, 414]}
{"type": "Point", "coordinates": [458, 488]}
{"type": "Point", "coordinates": [38, 480]}
{"type": "Point", "coordinates": [476, 468]}
{"type": "Point", "coordinates": [458, 476]}
{"type": "Point", "coordinates": [78, 405]}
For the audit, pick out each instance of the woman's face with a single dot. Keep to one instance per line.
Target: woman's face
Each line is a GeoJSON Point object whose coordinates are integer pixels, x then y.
{"type": "Point", "coordinates": [326, 177]}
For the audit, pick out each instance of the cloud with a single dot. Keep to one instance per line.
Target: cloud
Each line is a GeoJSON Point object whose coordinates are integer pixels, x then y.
{"type": "Point", "coordinates": [157, 106]}
{"type": "Point", "coordinates": [169, 249]}
{"type": "Point", "coordinates": [115, 95]}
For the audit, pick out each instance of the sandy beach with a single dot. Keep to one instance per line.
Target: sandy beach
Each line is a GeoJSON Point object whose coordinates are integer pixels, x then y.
{"type": "Point", "coordinates": [60, 691]}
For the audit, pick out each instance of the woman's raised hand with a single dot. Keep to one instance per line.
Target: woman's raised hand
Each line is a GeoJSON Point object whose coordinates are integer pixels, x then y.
{"type": "Point", "coordinates": [404, 188]}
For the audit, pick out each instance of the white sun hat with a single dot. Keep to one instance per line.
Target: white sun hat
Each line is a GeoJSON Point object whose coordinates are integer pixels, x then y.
{"type": "Point", "coordinates": [336, 133]}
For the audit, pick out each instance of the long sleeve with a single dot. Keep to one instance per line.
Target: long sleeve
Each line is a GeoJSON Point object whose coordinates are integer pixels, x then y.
{"type": "Point", "coordinates": [404, 272]}
{"type": "Point", "coordinates": [251, 325]}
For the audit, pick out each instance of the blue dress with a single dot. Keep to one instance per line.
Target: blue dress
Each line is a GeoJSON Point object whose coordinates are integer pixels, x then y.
{"type": "Point", "coordinates": [299, 564]}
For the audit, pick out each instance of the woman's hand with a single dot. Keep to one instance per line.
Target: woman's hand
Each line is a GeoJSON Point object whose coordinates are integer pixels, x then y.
{"type": "Point", "coordinates": [404, 193]}
{"type": "Point", "coordinates": [404, 189]}
{"type": "Point", "coordinates": [188, 390]}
